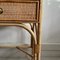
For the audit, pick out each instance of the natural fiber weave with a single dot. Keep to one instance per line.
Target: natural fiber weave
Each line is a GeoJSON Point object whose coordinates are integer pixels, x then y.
{"type": "Point", "coordinates": [18, 11]}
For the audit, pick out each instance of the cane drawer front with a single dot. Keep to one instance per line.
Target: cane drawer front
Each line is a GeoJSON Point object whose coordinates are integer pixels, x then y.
{"type": "Point", "coordinates": [18, 11]}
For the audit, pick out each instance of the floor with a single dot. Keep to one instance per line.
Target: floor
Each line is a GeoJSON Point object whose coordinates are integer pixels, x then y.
{"type": "Point", "coordinates": [50, 52]}
{"type": "Point", "coordinates": [12, 54]}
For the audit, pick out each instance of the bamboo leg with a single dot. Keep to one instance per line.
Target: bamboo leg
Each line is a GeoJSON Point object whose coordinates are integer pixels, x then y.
{"type": "Point", "coordinates": [38, 40]}
{"type": "Point", "coordinates": [32, 42]}
{"type": "Point", "coordinates": [33, 52]}
{"type": "Point", "coordinates": [31, 36]}
{"type": "Point", "coordinates": [37, 28]}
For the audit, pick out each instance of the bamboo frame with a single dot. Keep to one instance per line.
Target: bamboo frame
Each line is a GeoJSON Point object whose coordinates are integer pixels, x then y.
{"type": "Point", "coordinates": [21, 46]}
{"type": "Point", "coordinates": [35, 29]}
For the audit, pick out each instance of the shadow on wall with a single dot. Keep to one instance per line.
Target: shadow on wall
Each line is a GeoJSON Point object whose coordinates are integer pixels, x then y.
{"type": "Point", "coordinates": [51, 21]}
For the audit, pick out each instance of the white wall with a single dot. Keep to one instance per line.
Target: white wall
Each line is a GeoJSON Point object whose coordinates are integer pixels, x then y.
{"type": "Point", "coordinates": [51, 30]}
{"type": "Point", "coordinates": [51, 21]}
{"type": "Point", "coordinates": [14, 35]}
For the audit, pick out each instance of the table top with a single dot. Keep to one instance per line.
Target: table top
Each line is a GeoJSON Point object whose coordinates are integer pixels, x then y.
{"type": "Point", "coordinates": [18, 0]}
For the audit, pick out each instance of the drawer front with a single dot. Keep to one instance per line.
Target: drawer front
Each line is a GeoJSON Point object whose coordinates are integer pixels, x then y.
{"type": "Point", "coordinates": [18, 11]}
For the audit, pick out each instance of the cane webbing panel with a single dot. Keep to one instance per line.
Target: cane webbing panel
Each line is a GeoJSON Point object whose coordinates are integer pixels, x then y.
{"type": "Point", "coordinates": [18, 11]}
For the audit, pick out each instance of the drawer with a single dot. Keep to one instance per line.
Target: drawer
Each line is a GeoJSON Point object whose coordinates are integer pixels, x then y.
{"type": "Point", "coordinates": [18, 11]}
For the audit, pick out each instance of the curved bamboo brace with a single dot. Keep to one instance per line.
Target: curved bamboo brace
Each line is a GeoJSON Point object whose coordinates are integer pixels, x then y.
{"type": "Point", "coordinates": [25, 27]}
{"type": "Point", "coordinates": [20, 25]}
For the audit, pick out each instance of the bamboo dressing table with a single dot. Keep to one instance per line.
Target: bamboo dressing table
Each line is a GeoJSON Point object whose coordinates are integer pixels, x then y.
{"type": "Point", "coordinates": [17, 12]}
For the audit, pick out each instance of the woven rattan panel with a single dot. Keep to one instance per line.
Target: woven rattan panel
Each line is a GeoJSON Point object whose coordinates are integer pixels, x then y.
{"type": "Point", "coordinates": [18, 11]}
